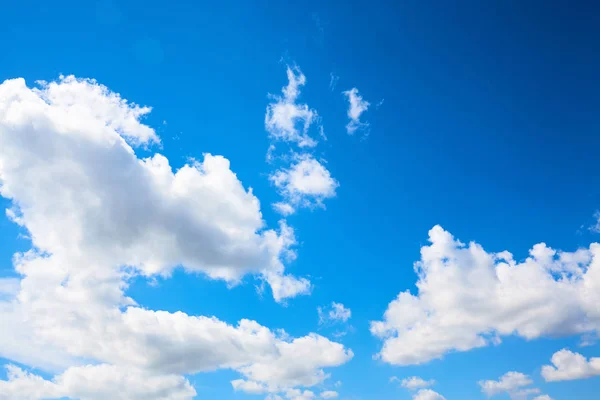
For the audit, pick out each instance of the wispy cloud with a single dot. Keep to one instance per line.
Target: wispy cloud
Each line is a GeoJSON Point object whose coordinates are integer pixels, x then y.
{"type": "Point", "coordinates": [356, 107]}
{"type": "Point", "coordinates": [333, 80]}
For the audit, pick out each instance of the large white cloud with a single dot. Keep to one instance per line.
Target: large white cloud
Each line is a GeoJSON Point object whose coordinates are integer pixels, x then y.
{"type": "Point", "coordinates": [98, 215]}
{"type": "Point", "coordinates": [567, 366]}
{"type": "Point", "coordinates": [79, 189]}
{"type": "Point", "coordinates": [95, 382]}
{"type": "Point", "coordinates": [469, 298]}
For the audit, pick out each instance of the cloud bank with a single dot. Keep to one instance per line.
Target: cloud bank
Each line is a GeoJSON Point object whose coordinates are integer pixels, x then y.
{"type": "Point", "coordinates": [469, 298]}
{"type": "Point", "coordinates": [97, 215]}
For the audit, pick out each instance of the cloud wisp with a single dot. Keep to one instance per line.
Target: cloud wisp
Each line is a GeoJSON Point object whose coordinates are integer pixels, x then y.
{"type": "Point", "coordinates": [356, 107]}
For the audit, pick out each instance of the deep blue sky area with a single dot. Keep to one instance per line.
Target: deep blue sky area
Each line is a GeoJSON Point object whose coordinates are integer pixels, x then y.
{"type": "Point", "coordinates": [488, 126]}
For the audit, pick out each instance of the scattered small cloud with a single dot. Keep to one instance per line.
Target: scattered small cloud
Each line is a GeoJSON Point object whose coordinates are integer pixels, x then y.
{"type": "Point", "coordinates": [596, 226]}
{"type": "Point", "coordinates": [306, 183]}
{"type": "Point", "coordinates": [512, 383]}
{"type": "Point", "coordinates": [336, 313]}
{"type": "Point", "coordinates": [414, 382]}
{"type": "Point", "coordinates": [329, 394]}
{"type": "Point", "coordinates": [301, 179]}
{"type": "Point", "coordinates": [418, 387]}
{"type": "Point", "coordinates": [356, 107]}
{"type": "Point", "coordinates": [568, 366]}
{"type": "Point", "coordinates": [287, 120]}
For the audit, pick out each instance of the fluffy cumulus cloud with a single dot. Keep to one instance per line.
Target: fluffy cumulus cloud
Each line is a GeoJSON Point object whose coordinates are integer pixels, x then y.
{"type": "Point", "coordinates": [97, 382]}
{"type": "Point", "coordinates": [567, 366]}
{"type": "Point", "coordinates": [98, 215]}
{"type": "Point", "coordinates": [511, 382]}
{"type": "Point", "coordinates": [356, 106]}
{"type": "Point", "coordinates": [418, 387]}
{"type": "Point", "coordinates": [428, 394]}
{"type": "Point", "coordinates": [77, 186]}
{"type": "Point", "coordinates": [301, 179]}
{"type": "Point", "coordinates": [299, 362]}
{"type": "Point", "coordinates": [306, 183]}
{"type": "Point", "coordinates": [468, 298]}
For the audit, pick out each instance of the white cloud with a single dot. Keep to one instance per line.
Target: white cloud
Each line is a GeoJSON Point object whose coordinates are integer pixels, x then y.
{"type": "Point", "coordinates": [79, 188]}
{"type": "Point", "coordinates": [469, 298]}
{"type": "Point", "coordinates": [524, 394]}
{"type": "Point", "coordinates": [415, 382]}
{"type": "Point", "coordinates": [285, 119]}
{"type": "Point", "coordinates": [355, 108]}
{"type": "Point", "coordinates": [9, 287]}
{"type": "Point", "coordinates": [306, 183]}
{"type": "Point", "coordinates": [542, 397]}
{"type": "Point", "coordinates": [249, 386]}
{"type": "Point", "coordinates": [509, 382]}
{"type": "Point", "coordinates": [284, 208]}
{"type": "Point", "coordinates": [570, 366]}
{"type": "Point", "coordinates": [97, 215]}
{"type": "Point", "coordinates": [95, 382]}
{"type": "Point", "coordinates": [299, 362]}
{"type": "Point", "coordinates": [301, 179]}
{"type": "Point", "coordinates": [418, 387]}
{"type": "Point", "coordinates": [26, 386]}
{"type": "Point", "coordinates": [428, 394]}
{"type": "Point", "coordinates": [512, 383]}
{"type": "Point", "coordinates": [596, 227]}
{"type": "Point", "coordinates": [336, 313]}
{"type": "Point", "coordinates": [329, 394]}
{"type": "Point", "coordinates": [297, 394]}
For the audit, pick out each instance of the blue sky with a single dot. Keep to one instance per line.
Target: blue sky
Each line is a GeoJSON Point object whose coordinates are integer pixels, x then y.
{"type": "Point", "coordinates": [482, 119]}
